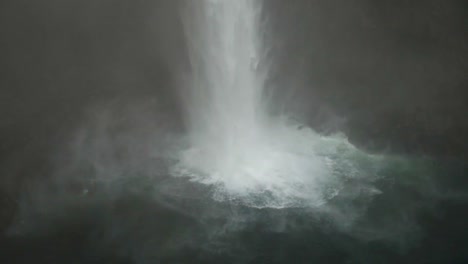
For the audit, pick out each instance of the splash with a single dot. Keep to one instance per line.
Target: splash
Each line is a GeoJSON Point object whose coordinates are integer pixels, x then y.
{"type": "Point", "coordinates": [247, 155]}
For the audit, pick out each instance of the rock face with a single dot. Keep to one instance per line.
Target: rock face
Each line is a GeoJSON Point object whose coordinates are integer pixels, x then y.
{"type": "Point", "coordinates": [391, 70]}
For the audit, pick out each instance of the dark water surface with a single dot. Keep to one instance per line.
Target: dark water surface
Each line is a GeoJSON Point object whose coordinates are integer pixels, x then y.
{"type": "Point", "coordinates": [175, 221]}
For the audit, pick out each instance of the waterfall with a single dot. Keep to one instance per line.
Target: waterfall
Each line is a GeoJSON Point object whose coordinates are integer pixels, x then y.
{"type": "Point", "coordinates": [234, 145]}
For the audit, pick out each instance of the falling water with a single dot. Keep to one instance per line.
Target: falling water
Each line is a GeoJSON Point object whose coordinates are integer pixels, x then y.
{"type": "Point", "coordinates": [225, 111]}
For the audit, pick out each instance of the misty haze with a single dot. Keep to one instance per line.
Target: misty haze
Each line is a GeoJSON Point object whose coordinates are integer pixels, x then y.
{"type": "Point", "coordinates": [233, 131]}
